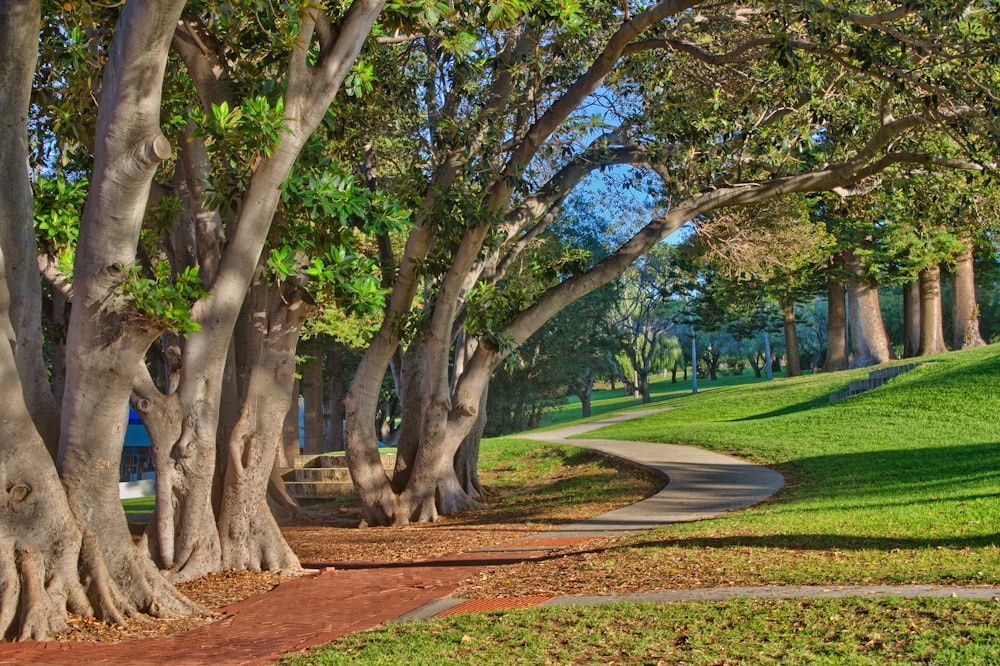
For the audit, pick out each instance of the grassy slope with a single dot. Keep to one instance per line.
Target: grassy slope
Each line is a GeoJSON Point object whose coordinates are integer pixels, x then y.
{"type": "Point", "coordinates": [905, 470]}
{"type": "Point", "coordinates": [896, 485]}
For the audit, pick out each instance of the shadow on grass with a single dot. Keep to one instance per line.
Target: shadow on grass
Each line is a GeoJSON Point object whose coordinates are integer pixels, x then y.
{"type": "Point", "coordinates": [896, 475]}
{"type": "Point", "coordinates": [821, 401]}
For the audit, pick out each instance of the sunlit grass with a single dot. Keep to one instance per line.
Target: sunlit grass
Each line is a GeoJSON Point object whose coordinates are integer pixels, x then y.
{"type": "Point", "coordinates": [139, 504]}
{"type": "Point", "coordinates": [826, 631]}
{"type": "Point", "coordinates": [897, 485]}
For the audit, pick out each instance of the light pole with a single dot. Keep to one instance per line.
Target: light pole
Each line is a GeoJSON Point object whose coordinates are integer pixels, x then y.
{"type": "Point", "coordinates": [767, 354]}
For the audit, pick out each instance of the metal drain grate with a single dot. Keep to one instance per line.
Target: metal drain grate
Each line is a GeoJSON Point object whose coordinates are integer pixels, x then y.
{"type": "Point", "coordinates": [505, 603]}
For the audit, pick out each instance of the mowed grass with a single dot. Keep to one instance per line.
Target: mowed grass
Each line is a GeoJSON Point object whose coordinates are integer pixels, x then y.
{"type": "Point", "coordinates": [742, 631]}
{"type": "Point", "coordinates": [139, 504]}
{"type": "Point", "coordinates": [898, 485]}
{"type": "Point", "coordinates": [660, 389]}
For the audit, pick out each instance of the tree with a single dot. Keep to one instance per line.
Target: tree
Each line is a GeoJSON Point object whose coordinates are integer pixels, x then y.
{"type": "Point", "coordinates": [770, 251]}
{"type": "Point", "coordinates": [580, 343]}
{"type": "Point", "coordinates": [511, 149]}
{"type": "Point", "coordinates": [186, 538]}
{"type": "Point", "coordinates": [116, 316]}
{"type": "Point", "coordinates": [719, 102]}
{"type": "Point", "coordinates": [641, 319]}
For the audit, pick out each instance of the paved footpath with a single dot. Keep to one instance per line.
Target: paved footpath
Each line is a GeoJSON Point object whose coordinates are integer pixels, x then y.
{"type": "Point", "coordinates": [355, 596]}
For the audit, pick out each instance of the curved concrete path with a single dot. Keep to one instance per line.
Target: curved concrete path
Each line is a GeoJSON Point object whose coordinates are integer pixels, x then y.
{"type": "Point", "coordinates": [701, 484]}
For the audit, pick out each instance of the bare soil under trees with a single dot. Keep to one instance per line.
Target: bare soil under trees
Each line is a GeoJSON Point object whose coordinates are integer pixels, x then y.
{"type": "Point", "coordinates": [329, 534]}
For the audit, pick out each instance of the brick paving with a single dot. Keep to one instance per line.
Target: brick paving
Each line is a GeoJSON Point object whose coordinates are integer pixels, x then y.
{"type": "Point", "coordinates": [296, 615]}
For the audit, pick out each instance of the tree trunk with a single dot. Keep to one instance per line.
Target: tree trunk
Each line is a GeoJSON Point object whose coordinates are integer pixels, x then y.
{"type": "Point", "coordinates": [249, 535]}
{"type": "Point", "coordinates": [40, 561]}
{"type": "Point", "coordinates": [965, 310]}
{"type": "Point", "coordinates": [931, 322]}
{"type": "Point", "coordinates": [188, 538]}
{"type": "Point", "coordinates": [107, 339]}
{"type": "Point", "coordinates": [644, 388]}
{"type": "Point", "coordinates": [868, 339]}
{"type": "Point", "coordinates": [794, 366]}
{"type": "Point", "coordinates": [18, 52]}
{"type": "Point", "coordinates": [312, 395]}
{"type": "Point", "coordinates": [182, 537]}
{"type": "Point", "coordinates": [836, 338]}
{"type": "Point", "coordinates": [585, 393]}
{"type": "Point", "coordinates": [911, 318]}
{"type": "Point", "coordinates": [411, 377]}
{"type": "Point", "coordinates": [290, 440]}
{"type": "Point", "coordinates": [467, 458]}
{"type": "Point", "coordinates": [334, 397]}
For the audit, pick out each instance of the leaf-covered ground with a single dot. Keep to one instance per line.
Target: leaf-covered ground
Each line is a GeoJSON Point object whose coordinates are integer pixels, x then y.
{"type": "Point", "coordinates": [536, 489]}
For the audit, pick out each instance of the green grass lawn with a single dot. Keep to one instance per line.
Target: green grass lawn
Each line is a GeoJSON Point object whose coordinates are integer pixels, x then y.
{"type": "Point", "coordinates": [138, 505]}
{"type": "Point", "coordinates": [660, 389]}
{"type": "Point", "coordinates": [898, 485]}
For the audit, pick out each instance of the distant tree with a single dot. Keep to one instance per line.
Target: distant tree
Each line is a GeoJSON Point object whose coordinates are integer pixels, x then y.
{"type": "Point", "coordinates": [642, 317]}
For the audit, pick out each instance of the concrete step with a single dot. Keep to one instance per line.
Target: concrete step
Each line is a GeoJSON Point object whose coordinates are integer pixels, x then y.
{"type": "Point", "coordinates": [319, 474]}
{"type": "Point", "coordinates": [336, 460]}
{"type": "Point", "coordinates": [876, 378]}
{"type": "Point", "coordinates": [324, 476]}
{"type": "Point", "coordinates": [319, 489]}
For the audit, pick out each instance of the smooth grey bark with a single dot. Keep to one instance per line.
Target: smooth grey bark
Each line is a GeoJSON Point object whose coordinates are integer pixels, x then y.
{"type": "Point", "coordinates": [42, 572]}
{"type": "Point", "coordinates": [965, 310]}
{"type": "Point", "coordinates": [107, 339]}
{"type": "Point", "coordinates": [188, 541]}
{"type": "Point", "coordinates": [40, 561]}
{"type": "Point", "coordinates": [911, 318]}
{"type": "Point", "coordinates": [249, 535]}
{"type": "Point", "coordinates": [17, 232]}
{"type": "Point", "coordinates": [467, 458]}
{"type": "Point", "coordinates": [411, 375]}
{"type": "Point", "coordinates": [290, 444]}
{"type": "Point", "coordinates": [931, 317]}
{"type": "Point", "coordinates": [794, 366]}
{"type": "Point", "coordinates": [836, 323]}
{"type": "Point", "coordinates": [869, 342]}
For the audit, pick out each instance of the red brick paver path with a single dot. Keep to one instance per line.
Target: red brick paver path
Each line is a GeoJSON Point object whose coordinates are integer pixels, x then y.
{"type": "Point", "coordinates": [296, 615]}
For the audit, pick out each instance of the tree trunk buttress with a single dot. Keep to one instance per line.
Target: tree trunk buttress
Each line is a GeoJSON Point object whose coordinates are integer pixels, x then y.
{"type": "Point", "coordinates": [868, 339]}
{"type": "Point", "coordinates": [107, 339]}
{"type": "Point", "coordinates": [40, 562]}
{"type": "Point", "coordinates": [911, 318]}
{"type": "Point", "coordinates": [931, 318]}
{"type": "Point", "coordinates": [965, 310]}
{"type": "Point", "coordinates": [248, 533]}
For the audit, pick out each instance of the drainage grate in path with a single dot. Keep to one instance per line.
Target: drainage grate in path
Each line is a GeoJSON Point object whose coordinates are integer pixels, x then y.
{"type": "Point", "coordinates": [504, 603]}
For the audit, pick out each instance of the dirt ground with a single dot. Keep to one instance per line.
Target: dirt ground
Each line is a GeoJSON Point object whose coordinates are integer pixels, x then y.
{"type": "Point", "coordinates": [329, 534]}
